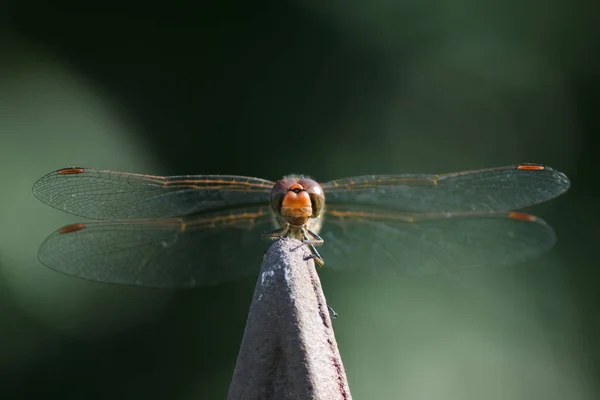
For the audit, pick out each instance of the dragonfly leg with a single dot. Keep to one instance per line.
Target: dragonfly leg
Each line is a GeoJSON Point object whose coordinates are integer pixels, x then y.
{"type": "Point", "coordinates": [317, 240]}
{"type": "Point", "coordinates": [332, 312]}
{"type": "Point", "coordinates": [311, 244]}
{"type": "Point", "coordinates": [276, 234]}
{"type": "Point", "coordinates": [315, 256]}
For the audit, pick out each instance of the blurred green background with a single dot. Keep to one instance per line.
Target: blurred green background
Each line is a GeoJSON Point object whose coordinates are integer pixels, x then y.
{"type": "Point", "coordinates": [329, 89]}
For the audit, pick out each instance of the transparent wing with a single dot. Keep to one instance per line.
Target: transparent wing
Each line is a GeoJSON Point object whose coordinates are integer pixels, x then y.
{"type": "Point", "coordinates": [169, 253]}
{"type": "Point", "coordinates": [494, 189]}
{"type": "Point", "coordinates": [392, 243]}
{"type": "Point", "coordinates": [101, 194]}
{"type": "Point", "coordinates": [222, 246]}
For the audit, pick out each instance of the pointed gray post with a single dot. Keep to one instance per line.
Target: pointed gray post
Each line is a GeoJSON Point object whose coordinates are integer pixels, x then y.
{"type": "Point", "coordinates": [289, 349]}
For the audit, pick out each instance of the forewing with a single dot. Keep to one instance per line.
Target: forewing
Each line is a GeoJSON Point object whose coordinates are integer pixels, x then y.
{"type": "Point", "coordinates": [392, 243]}
{"type": "Point", "coordinates": [495, 189]}
{"type": "Point", "coordinates": [170, 253]}
{"type": "Point", "coordinates": [103, 194]}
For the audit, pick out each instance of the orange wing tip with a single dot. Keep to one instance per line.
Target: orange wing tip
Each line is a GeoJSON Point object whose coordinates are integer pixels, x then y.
{"type": "Point", "coordinates": [531, 167]}
{"type": "Point", "coordinates": [520, 216]}
{"type": "Point", "coordinates": [71, 228]}
{"type": "Point", "coordinates": [70, 171]}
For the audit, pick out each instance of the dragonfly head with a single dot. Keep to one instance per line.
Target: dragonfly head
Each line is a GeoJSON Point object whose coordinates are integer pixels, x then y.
{"type": "Point", "coordinates": [297, 199]}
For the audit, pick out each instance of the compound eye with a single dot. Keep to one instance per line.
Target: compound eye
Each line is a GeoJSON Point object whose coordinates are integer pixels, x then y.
{"type": "Point", "coordinates": [276, 201]}
{"type": "Point", "coordinates": [279, 191]}
{"type": "Point", "coordinates": [318, 204]}
{"type": "Point", "coordinates": [277, 194]}
{"type": "Point", "coordinates": [317, 196]}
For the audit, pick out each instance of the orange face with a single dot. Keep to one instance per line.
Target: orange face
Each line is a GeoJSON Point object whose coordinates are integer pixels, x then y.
{"type": "Point", "coordinates": [297, 199]}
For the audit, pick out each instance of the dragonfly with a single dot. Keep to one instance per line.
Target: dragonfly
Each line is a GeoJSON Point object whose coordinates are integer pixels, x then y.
{"type": "Point", "coordinates": [199, 230]}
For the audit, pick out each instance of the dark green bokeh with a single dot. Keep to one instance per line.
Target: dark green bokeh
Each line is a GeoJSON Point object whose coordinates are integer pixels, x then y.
{"type": "Point", "coordinates": [330, 91]}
